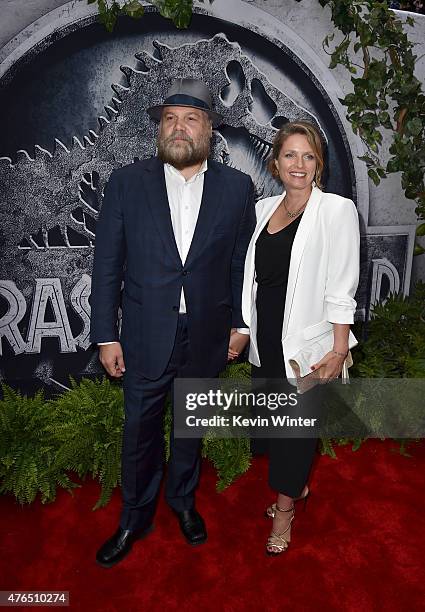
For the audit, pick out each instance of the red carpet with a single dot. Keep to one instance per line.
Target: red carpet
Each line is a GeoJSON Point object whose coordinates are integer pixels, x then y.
{"type": "Point", "coordinates": [358, 546]}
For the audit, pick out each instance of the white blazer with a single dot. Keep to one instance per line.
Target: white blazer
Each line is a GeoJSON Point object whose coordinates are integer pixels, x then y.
{"type": "Point", "coordinates": [323, 274]}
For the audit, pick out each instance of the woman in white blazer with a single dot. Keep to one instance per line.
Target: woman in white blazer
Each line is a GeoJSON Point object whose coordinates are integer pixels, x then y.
{"type": "Point", "coordinates": [301, 275]}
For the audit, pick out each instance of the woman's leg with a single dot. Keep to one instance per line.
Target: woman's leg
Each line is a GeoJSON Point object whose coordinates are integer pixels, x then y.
{"type": "Point", "coordinates": [290, 461]}
{"type": "Point", "coordinates": [290, 464]}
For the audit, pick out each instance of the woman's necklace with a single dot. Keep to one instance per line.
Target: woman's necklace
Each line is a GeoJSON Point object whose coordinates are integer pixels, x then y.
{"type": "Point", "coordinates": [293, 215]}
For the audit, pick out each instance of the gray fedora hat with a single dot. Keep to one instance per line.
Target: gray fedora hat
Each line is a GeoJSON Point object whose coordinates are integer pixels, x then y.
{"type": "Point", "coordinates": [187, 92]}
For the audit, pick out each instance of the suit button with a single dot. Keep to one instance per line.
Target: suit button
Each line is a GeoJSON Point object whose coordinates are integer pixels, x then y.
{"type": "Point", "coordinates": [175, 308]}
{"type": "Point", "coordinates": [185, 272]}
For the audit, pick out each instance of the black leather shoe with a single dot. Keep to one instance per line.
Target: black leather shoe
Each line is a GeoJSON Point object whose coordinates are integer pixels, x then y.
{"type": "Point", "coordinates": [119, 545]}
{"type": "Point", "coordinates": [192, 526]}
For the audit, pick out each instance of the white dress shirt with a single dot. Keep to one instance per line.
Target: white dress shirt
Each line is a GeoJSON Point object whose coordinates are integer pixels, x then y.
{"type": "Point", "coordinates": [184, 200]}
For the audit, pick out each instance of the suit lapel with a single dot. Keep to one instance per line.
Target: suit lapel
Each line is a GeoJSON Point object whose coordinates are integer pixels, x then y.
{"type": "Point", "coordinates": [159, 206]}
{"type": "Point", "coordinates": [308, 221]}
{"type": "Point", "coordinates": [210, 204]}
{"type": "Point", "coordinates": [266, 213]}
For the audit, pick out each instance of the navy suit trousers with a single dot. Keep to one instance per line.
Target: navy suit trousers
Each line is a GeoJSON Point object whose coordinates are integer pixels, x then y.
{"type": "Point", "coordinates": [143, 442]}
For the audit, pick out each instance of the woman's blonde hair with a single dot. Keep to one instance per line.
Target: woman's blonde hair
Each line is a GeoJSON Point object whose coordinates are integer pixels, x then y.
{"type": "Point", "coordinates": [314, 138]}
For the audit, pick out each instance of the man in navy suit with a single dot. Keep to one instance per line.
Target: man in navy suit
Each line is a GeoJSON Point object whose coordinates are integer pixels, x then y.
{"type": "Point", "coordinates": [175, 228]}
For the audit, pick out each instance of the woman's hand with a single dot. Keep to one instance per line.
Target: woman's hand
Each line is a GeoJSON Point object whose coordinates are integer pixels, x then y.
{"type": "Point", "coordinates": [329, 367]}
{"type": "Point", "coordinates": [237, 344]}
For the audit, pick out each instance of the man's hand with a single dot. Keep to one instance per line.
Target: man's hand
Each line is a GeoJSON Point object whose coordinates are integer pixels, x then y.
{"type": "Point", "coordinates": [111, 358]}
{"type": "Point", "coordinates": [237, 344]}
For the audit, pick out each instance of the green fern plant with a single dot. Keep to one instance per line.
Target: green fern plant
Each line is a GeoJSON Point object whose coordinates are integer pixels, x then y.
{"type": "Point", "coordinates": [395, 343]}
{"type": "Point", "coordinates": [231, 457]}
{"type": "Point", "coordinates": [28, 448]}
{"type": "Point", "coordinates": [88, 427]}
{"type": "Point", "coordinates": [394, 348]}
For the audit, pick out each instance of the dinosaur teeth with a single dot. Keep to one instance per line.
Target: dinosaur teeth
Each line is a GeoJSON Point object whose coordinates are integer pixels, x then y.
{"type": "Point", "coordinates": [111, 112]}
{"type": "Point", "coordinates": [103, 121]}
{"type": "Point", "coordinates": [118, 88]}
{"type": "Point", "coordinates": [77, 143]}
{"type": "Point", "coordinates": [5, 162]}
{"type": "Point", "coordinates": [23, 155]}
{"type": "Point", "coordinates": [262, 147]}
{"type": "Point", "coordinates": [249, 153]}
{"type": "Point", "coordinates": [158, 49]}
{"type": "Point", "coordinates": [41, 153]}
{"type": "Point", "coordinates": [147, 62]}
{"type": "Point", "coordinates": [129, 72]}
{"type": "Point", "coordinates": [60, 146]}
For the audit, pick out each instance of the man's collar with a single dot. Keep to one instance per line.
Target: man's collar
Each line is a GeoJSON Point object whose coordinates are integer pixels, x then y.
{"type": "Point", "coordinates": [174, 172]}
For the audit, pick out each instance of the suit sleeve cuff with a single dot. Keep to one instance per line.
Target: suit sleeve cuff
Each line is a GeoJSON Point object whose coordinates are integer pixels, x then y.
{"type": "Point", "coordinates": [340, 314]}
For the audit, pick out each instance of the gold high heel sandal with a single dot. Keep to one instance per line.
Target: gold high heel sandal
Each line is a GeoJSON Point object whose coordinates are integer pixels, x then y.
{"type": "Point", "coordinates": [276, 540]}
{"type": "Point", "coordinates": [270, 512]}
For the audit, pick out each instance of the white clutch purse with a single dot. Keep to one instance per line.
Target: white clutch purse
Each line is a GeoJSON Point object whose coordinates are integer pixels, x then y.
{"type": "Point", "coordinates": [313, 350]}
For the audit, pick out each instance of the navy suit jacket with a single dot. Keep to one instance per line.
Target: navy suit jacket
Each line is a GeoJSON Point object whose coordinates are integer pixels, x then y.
{"type": "Point", "coordinates": [135, 243]}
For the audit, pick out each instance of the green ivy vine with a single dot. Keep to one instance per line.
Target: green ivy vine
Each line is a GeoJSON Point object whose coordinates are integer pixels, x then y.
{"type": "Point", "coordinates": [179, 11]}
{"type": "Point", "coordinates": [386, 94]}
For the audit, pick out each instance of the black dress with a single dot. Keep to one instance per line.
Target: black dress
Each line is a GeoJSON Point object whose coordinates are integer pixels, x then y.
{"type": "Point", "coordinates": [290, 458]}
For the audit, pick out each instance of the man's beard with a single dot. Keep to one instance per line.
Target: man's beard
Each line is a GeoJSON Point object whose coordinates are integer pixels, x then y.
{"type": "Point", "coordinates": [186, 153]}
